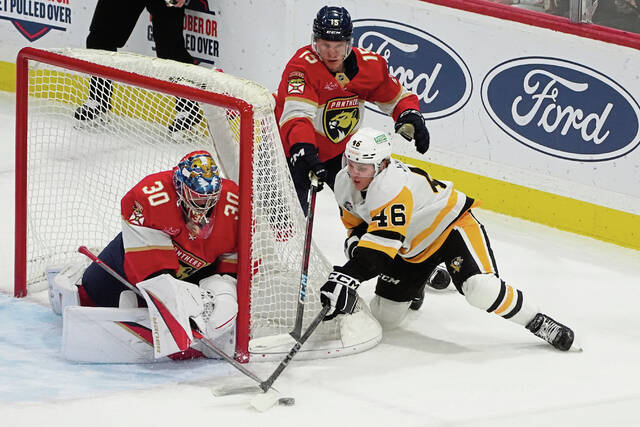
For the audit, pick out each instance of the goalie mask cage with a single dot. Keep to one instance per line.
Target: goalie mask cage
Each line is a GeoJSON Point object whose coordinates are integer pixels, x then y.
{"type": "Point", "coordinates": [71, 175]}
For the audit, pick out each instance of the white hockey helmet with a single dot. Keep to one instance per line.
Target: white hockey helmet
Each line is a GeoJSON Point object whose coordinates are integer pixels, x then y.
{"type": "Point", "coordinates": [369, 146]}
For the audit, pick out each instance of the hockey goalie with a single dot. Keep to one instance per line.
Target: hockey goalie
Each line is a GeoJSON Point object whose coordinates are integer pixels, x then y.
{"type": "Point", "coordinates": [178, 248]}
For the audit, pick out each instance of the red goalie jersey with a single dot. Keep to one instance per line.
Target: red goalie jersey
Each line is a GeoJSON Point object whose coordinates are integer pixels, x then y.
{"type": "Point", "coordinates": [317, 107]}
{"type": "Point", "coordinates": [156, 238]}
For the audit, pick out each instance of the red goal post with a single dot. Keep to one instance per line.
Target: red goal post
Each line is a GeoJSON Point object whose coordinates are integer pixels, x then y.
{"type": "Point", "coordinates": [70, 176]}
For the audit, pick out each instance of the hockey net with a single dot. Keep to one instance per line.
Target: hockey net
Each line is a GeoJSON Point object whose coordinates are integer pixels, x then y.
{"type": "Point", "coordinates": [71, 175]}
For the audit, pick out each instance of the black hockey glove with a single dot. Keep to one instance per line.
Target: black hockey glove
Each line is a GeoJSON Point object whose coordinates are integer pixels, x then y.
{"type": "Point", "coordinates": [304, 158]}
{"type": "Point", "coordinates": [420, 134]}
{"type": "Point", "coordinates": [339, 293]}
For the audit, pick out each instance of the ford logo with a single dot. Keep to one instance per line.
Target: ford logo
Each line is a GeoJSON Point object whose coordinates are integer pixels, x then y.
{"type": "Point", "coordinates": [421, 62]}
{"type": "Point", "coordinates": [562, 109]}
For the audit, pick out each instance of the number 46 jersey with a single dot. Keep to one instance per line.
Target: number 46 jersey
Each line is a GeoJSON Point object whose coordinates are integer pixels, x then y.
{"type": "Point", "coordinates": [155, 236]}
{"type": "Point", "coordinates": [406, 211]}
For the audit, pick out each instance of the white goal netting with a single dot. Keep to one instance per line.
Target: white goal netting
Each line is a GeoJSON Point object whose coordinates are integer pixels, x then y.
{"type": "Point", "coordinates": [78, 170]}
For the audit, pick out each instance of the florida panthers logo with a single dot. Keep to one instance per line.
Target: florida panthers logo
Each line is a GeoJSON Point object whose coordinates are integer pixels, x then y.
{"type": "Point", "coordinates": [341, 116]}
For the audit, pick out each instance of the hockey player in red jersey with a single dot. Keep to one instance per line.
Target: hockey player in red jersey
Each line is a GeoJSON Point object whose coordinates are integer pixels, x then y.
{"type": "Point", "coordinates": [178, 247]}
{"type": "Point", "coordinates": [182, 221]}
{"type": "Point", "coordinates": [321, 96]}
{"type": "Point", "coordinates": [401, 223]}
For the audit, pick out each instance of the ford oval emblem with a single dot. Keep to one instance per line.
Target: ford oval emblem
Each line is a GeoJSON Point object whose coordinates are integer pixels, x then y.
{"type": "Point", "coordinates": [562, 108]}
{"type": "Point", "coordinates": [422, 63]}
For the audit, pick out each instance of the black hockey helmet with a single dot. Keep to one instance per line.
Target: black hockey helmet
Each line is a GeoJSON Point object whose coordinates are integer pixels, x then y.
{"type": "Point", "coordinates": [332, 23]}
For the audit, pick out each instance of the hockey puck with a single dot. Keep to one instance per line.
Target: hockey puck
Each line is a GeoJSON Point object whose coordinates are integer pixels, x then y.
{"type": "Point", "coordinates": [287, 401]}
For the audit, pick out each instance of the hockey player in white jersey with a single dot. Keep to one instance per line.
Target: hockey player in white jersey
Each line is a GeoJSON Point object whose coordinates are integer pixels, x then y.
{"type": "Point", "coordinates": [401, 223]}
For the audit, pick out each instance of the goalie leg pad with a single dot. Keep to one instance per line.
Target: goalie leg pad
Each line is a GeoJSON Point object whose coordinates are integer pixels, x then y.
{"type": "Point", "coordinates": [106, 335]}
{"type": "Point", "coordinates": [389, 313]}
{"type": "Point", "coordinates": [488, 292]}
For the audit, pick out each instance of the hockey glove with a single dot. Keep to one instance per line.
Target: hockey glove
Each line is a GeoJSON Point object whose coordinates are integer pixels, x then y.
{"type": "Point", "coordinates": [304, 158]}
{"type": "Point", "coordinates": [339, 292]}
{"type": "Point", "coordinates": [420, 134]}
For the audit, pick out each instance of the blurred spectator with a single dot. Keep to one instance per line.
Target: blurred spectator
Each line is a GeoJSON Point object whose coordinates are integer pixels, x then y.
{"type": "Point", "coordinates": [620, 14]}
{"type": "Point", "coordinates": [557, 7]}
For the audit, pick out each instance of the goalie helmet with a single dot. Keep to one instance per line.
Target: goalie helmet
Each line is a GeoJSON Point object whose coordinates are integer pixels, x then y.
{"type": "Point", "coordinates": [334, 24]}
{"type": "Point", "coordinates": [369, 146]}
{"type": "Point", "coordinates": [198, 187]}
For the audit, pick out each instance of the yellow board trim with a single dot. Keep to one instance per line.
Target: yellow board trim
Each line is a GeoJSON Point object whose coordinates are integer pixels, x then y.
{"type": "Point", "coordinates": [564, 213]}
{"type": "Point", "coordinates": [7, 76]}
{"type": "Point", "coordinates": [73, 89]}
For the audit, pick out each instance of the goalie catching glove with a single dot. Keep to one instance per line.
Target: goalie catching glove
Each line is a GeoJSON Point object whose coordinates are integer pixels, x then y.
{"type": "Point", "coordinates": [413, 120]}
{"type": "Point", "coordinates": [339, 293]}
{"type": "Point", "coordinates": [304, 158]}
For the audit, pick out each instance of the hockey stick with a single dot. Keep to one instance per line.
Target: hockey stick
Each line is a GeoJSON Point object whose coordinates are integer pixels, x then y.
{"type": "Point", "coordinates": [266, 385]}
{"type": "Point", "coordinates": [197, 334]}
{"type": "Point", "coordinates": [267, 399]}
{"type": "Point", "coordinates": [311, 206]}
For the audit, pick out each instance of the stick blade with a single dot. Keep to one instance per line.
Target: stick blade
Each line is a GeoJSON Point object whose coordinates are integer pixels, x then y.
{"type": "Point", "coordinates": [231, 389]}
{"type": "Point", "coordinates": [264, 401]}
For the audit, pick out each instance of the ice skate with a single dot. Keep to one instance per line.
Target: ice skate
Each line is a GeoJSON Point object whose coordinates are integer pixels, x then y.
{"type": "Point", "coordinates": [556, 334]}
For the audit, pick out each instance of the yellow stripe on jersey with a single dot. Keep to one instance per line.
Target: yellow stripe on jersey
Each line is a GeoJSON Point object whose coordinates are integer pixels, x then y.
{"type": "Point", "coordinates": [432, 247]}
{"type": "Point", "coordinates": [471, 229]}
{"type": "Point", "coordinates": [460, 222]}
{"type": "Point", "coordinates": [390, 251]}
{"type": "Point", "coordinates": [451, 203]}
{"type": "Point", "coordinates": [349, 220]}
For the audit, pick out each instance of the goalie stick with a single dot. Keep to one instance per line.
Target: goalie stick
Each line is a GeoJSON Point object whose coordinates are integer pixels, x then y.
{"type": "Point", "coordinates": [311, 206]}
{"type": "Point", "coordinates": [196, 333]}
{"type": "Point", "coordinates": [270, 396]}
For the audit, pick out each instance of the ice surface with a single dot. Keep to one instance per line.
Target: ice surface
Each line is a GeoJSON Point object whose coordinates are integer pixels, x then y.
{"type": "Point", "coordinates": [448, 365]}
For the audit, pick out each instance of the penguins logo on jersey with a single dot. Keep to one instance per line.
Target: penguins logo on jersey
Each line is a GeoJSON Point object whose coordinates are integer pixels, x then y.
{"type": "Point", "coordinates": [341, 116]}
{"type": "Point", "coordinates": [456, 264]}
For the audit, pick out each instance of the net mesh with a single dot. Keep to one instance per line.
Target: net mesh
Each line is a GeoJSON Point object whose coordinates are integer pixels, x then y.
{"type": "Point", "coordinates": [78, 170]}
